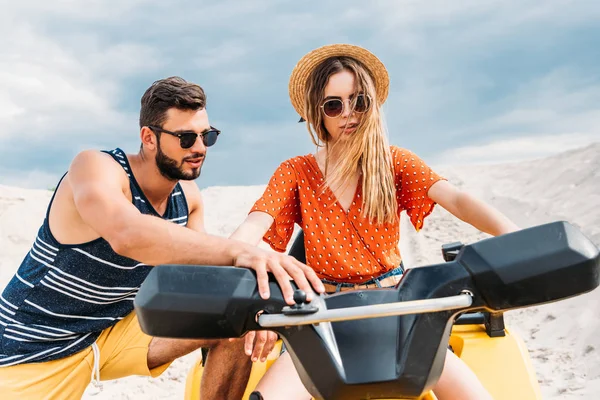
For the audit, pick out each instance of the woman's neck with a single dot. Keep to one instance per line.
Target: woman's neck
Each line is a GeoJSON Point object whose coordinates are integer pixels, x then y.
{"type": "Point", "coordinates": [330, 158]}
{"type": "Point", "coordinates": [331, 154]}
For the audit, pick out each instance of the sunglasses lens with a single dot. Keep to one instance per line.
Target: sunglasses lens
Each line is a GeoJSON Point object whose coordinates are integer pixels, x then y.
{"type": "Point", "coordinates": [333, 108]}
{"type": "Point", "coordinates": [187, 140]}
{"type": "Point", "coordinates": [209, 138]}
{"type": "Point", "coordinates": [362, 103]}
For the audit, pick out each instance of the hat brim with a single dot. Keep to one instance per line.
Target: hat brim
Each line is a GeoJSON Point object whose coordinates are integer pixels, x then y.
{"type": "Point", "coordinates": [307, 64]}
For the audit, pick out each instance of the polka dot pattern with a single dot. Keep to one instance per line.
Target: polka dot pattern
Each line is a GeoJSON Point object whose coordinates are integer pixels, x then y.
{"type": "Point", "coordinates": [342, 246]}
{"type": "Point", "coordinates": [413, 179]}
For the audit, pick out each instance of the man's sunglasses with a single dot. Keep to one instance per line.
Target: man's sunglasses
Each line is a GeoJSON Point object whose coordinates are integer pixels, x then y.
{"type": "Point", "coordinates": [188, 138]}
{"type": "Point", "coordinates": [333, 108]}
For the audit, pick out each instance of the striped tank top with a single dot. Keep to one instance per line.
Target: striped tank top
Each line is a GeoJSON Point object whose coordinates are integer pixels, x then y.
{"type": "Point", "coordinates": [63, 296]}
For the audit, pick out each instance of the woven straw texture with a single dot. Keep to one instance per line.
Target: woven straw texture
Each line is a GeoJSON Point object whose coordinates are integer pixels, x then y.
{"type": "Point", "coordinates": [304, 67]}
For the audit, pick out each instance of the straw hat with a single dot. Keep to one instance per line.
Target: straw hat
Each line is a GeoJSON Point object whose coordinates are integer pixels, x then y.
{"type": "Point", "coordinates": [310, 61]}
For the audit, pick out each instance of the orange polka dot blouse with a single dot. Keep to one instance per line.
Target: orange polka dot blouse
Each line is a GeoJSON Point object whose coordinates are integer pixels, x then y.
{"type": "Point", "coordinates": [340, 246]}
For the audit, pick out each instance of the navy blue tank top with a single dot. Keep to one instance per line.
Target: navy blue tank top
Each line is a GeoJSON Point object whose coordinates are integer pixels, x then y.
{"type": "Point", "coordinates": [63, 296]}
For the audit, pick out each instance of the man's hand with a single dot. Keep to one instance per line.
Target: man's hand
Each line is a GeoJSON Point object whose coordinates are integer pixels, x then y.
{"type": "Point", "coordinates": [259, 344]}
{"type": "Point", "coordinates": [283, 267]}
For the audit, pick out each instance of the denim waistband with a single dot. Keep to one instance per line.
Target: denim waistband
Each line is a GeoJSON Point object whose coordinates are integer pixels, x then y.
{"type": "Point", "coordinates": [394, 272]}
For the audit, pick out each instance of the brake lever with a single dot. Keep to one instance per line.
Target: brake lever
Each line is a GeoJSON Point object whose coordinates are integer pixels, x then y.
{"type": "Point", "coordinates": [301, 307]}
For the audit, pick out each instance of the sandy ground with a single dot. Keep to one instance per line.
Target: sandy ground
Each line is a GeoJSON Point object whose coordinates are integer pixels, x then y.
{"type": "Point", "coordinates": [562, 337]}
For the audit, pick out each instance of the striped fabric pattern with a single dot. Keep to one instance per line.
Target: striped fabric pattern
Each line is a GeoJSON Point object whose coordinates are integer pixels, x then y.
{"type": "Point", "coordinates": [63, 296]}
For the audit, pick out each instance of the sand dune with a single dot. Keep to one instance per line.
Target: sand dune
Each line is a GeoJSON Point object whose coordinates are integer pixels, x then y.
{"type": "Point", "coordinates": [562, 337]}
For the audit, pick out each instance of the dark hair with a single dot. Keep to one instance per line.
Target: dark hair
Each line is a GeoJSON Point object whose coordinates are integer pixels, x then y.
{"type": "Point", "coordinates": [168, 93]}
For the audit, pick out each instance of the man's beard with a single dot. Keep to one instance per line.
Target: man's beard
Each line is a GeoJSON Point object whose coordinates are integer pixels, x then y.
{"type": "Point", "coordinates": [172, 170]}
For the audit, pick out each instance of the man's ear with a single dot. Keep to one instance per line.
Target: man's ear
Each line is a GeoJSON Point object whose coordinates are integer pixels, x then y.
{"type": "Point", "coordinates": [148, 138]}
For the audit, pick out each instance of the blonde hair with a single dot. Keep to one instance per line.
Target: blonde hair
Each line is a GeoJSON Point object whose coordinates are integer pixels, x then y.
{"type": "Point", "coordinates": [367, 151]}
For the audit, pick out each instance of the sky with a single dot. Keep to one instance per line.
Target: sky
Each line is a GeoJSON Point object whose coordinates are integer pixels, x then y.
{"type": "Point", "coordinates": [471, 81]}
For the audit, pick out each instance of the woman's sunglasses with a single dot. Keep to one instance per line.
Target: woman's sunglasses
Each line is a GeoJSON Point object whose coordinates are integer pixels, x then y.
{"type": "Point", "coordinates": [333, 108]}
{"type": "Point", "coordinates": [188, 138]}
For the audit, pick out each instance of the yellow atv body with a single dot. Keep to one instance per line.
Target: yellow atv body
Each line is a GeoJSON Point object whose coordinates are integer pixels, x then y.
{"type": "Point", "coordinates": [501, 363]}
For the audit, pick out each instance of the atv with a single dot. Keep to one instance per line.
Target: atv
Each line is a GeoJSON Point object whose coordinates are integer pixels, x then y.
{"type": "Point", "coordinates": [457, 304]}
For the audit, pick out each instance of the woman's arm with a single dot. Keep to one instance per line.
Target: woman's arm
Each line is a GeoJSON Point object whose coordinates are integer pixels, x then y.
{"type": "Point", "coordinates": [258, 344]}
{"type": "Point", "coordinates": [470, 209]}
{"type": "Point", "coordinates": [253, 228]}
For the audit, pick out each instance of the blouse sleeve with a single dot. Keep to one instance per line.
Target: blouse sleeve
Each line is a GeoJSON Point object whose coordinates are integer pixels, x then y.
{"type": "Point", "coordinates": [413, 179]}
{"type": "Point", "coordinates": [280, 200]}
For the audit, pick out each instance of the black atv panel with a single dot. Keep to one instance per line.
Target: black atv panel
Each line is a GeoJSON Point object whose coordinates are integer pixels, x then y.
{"type": "Point", "coordinates": [402, 355]}
{"type": "Point", "coordinates": [387, 357]}
{"type": "Point", "coordinates": [184, 301]}
{"type": "Point", "coordinates": [532, 266]}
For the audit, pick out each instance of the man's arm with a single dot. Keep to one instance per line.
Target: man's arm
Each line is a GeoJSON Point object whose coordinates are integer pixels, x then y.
{"type": "Point", "coordinates": [195, 202]}
{"type": "Point", "coordinates": [99, 199]}
{"type": "Point", "coordinates": [470, 209]}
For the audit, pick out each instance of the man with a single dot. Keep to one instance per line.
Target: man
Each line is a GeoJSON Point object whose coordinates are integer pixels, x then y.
{"type": "Point", "coordinates": [67, 315]}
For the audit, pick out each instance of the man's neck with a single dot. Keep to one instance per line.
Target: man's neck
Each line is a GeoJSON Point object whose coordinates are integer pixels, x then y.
{"type": "Point", "coordinates": [155, 186]}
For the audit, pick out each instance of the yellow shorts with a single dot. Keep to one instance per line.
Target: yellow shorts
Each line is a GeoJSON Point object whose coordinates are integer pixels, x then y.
{"type": "Point", "coordinates": [123, 352]}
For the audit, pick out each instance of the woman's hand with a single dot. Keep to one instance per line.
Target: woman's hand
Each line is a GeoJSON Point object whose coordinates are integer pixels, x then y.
{"type": "Point", "coordinates": [259, 344]}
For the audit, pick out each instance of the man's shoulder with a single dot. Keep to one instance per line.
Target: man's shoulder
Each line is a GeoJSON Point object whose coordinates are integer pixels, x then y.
{"type": "Point", "coordinates": [95, 163]}
{"type": "Point", "coordinates": [91, 156]}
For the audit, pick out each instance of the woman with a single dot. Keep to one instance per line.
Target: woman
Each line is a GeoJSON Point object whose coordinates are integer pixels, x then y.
{"type": "Point", "coordinates": [348, 196]}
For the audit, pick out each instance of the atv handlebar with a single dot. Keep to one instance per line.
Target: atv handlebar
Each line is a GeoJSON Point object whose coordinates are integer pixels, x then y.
{"type": "Point", "coordinates": [460, 301]}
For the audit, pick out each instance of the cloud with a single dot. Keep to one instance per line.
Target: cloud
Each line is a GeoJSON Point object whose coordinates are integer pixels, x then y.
{"type": "Point", "coordinates": [87, 11]}
{"type": "Point", "coordinates": [516, 149]}
{"type": "Point", "coordinates": [32, 179]}
{"type": "Point", "coordinates": [560, 102]}
{"type": "Point", "coordinates": [222, 55]}
{"type": "Point", "coordinates": [64, 88]}
{"type": "Point", "coordinates": [463, 74]}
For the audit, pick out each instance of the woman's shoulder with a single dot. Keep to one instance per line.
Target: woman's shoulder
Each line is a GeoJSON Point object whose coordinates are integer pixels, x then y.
{"type": "Point", "coordinates": [298, 166]}
{"type": "Point", "coordinates": [298, 162]}
{"type": "Point", "coordinates": [404, 159]}
{"type": "Point", "coordinates": [400, 151]}
{"type": "Point", "coordinates": [401, 154]}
